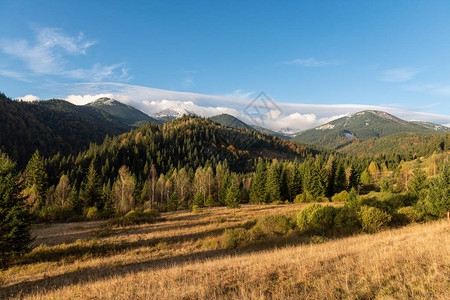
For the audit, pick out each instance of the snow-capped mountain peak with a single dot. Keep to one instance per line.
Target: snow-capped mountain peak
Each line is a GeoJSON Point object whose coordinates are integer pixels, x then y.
{"type": "Point", "coordinates": [173, 112]}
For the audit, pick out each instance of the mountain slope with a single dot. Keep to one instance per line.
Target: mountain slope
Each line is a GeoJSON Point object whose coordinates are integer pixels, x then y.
{"type": "Point", "coordinates": [125, 114]}
{"type": "Point", "coordinates": [362, 126]}
{"type": "Point", "coordinates": [51, 126]}
{"type": "Point", "coordinates": [187, 142]}
{"type": "Point", "coordinates": [233, 122]}
{"type": "Point", "coordinates": [230, 121]}
{"type": "Point", "coordinates": [170, 114]}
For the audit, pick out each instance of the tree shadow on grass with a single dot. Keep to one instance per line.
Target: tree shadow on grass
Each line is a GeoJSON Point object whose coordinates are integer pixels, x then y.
{"type": "Point", "coordinates": [99, 273]}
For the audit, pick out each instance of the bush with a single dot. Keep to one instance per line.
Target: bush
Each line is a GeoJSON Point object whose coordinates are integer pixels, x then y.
{"type": "Point", "coordinates": [54, 214]}
{"type": "Point", "coordinates": [195, 209]}
{"type": "Point", "coordinates": [277, 202]}
{"type": "Point", "coordinates": [270, 226]}
{"type": "Point", "coordinates": [409, 213]}
{"type": "Point", "coordinates": [92, 213]}
{"type": "Point", "coordinates": [304, 197]}
{"type": "Point", "coordinates": [232, 238]}
{"type": "Point", "coordinates": [135, 218]}
{"type": "Point", "coordinates": [340, 197]}
{"type": "Point", "coordinates": [322, 199]}
{"type": "Point", "coordinates": [346, 220]}
{"type": "Point", "coordinates": [316, 218]}
{"type": "Point", "coordinates": [373, 219]}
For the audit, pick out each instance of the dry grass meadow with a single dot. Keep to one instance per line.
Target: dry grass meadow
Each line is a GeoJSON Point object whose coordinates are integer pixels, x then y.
{"type": "Point", "coordinates": [182, 258]}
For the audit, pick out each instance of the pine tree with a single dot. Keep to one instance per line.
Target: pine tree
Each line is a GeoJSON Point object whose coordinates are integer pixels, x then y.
{"type": "Point", "coordinates": [36, 179]}
{"type": "Point", "coordinates": [91, 193]}
{"type": "Point", "coordinates": [340, 182]}
{"type": "Point", "coordinates": [15, 220]}
{"type": "Point", "coordinates": [75, 202]}
{"type": "Point", "coordinates": [437, 200]}
{"type": "Point", "coordinates": [257, 190]}
{"type": "Point", "coordinates": [273, 183]}
{"type": "Point", "coordinates": [418, 183]}
{"type": "Point", "coordinates": [232, 196]}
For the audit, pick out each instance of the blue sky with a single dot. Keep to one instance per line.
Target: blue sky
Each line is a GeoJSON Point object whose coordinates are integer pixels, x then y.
{"type": "Point", "coordinates": [378, 53]}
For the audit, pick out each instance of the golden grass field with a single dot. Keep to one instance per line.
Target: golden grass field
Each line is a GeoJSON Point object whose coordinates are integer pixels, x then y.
{"type": "Point", "coordinates": [182, 258]}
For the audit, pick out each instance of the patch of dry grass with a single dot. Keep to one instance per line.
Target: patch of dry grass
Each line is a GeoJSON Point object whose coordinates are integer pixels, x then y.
{"type": "Point", "coordinates": [169, 260]}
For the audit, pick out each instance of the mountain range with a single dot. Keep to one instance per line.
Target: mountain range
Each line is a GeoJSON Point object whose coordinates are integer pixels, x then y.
{"type": "Point", "coordinates": [363, 126]}
{"type": "Point", "coordinates": [56, 125]}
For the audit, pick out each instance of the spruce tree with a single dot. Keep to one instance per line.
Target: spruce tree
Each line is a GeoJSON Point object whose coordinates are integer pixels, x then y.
{"type": "Point", "coordinates": [232, 196]}
{"type": "Point", "coordinates": [273, 183]}
{"type": "Point", "coordinates": [257, 190]}
{"type": "Point", "coordinates": [15, 220]}
{"type": "Point", "coordinates": [91, 193]}
{"type": "Point", "coordinates": [36, 179]}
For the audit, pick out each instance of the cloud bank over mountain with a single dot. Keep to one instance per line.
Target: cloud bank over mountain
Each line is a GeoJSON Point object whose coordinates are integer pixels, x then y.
{"type": "Point", "coordinates": [291, 115]}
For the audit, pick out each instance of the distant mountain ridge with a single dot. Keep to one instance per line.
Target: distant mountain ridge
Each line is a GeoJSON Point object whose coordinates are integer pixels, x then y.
{"type": "Point", "coordinates": [125, 114]}
{"type": "Point", "coordinates": [51, 126]}
{"type": "Point", "coordinates": [362, 126]}
{"type": "Point", "coordinates": [171, 113]}
{"type": "Point", "coordinates": [231, 121]}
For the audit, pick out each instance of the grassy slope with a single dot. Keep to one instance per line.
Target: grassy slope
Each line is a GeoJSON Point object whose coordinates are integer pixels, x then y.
{"type": "Point", "coordinates": [174, 259]}
{"type": "Point", "coordinates": [363, 126]}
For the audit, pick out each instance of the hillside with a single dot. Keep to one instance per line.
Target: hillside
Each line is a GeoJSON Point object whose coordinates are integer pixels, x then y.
{"type": "Point", "coordinates": [231, 121]}
{"type": "Point", "coordinates": [363, 126]}
{"type": "Point", "coordinates": [51, 126]}
{"type": "Point", "coordinates": [187, 142]}
{"type": "Point", "coordinates": [406, 145]}
{"type": "Point", "coordinates": [172, 113]}
{"type": "Point", "coordinates": [123, 113]}
{"type": "Point", "coordinates": [179, 258]}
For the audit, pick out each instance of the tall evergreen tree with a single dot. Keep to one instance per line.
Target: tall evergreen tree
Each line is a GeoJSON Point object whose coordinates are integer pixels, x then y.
{"type": "Point", "coordinates": [273, 183]}
{"type": "Point", "coordinates": [257, 190]}
{"type": "Point", "coordinates": [36, 179]}
{"type": "Point", "coordinates": [91, 193]}
{"type": "Point", "coordinates": [15, 220]}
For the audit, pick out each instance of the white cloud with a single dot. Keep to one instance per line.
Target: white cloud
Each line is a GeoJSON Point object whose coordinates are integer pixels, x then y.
{"type": "Point", "coordinates": [295, 116]}
{"type": "Point", "coordinates": [48, 55]}
{"type": "Point", "coordinates": [398, 75]}
{"type": "Point", "coordinates": [447, 125]}
{"type": "Point", "coordinates": [310, 62]}
{"type": "Point", "coordinates": [85, 99]}
{"type": "Point", "coordinates": [28, 98]}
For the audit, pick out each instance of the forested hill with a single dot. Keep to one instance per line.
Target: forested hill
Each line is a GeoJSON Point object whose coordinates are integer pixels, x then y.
{"type": "Point", "coordinates": [187, 142]}
{"type": "Point", "coordinates": [404, 145]}
{"type": "Point", "coordinates": [362, 126]}
{"type": "Point", "coordinates": [51, 126]}
{"type": "Point", "coordinates": [123, 113]}
{"type": "Point", "coordinates": [231, 121]}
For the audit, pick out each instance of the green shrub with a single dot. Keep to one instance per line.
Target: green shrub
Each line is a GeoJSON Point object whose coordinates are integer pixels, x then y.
{"type": "Point", "coordinates": [232, 238]}
{"type": "Point", "coordinates": [340, 197]}
{"type": "Point", "coordinates": [322, 199]}
{"type": "Point", "coordinates": [195, 209]}
{"type": "Point", "coordinates": [304, 197]}
{"type": "Point", "coordinates": [92, 213]}
{"type": "Point", "coordinates": [409, 213]}
{"type": "Point", "coordinates": [270, 226]}
{"type": "Point", "coordinates": [135, 218]}
{"type": "Point", "coordinates": [346, 220]}
{"type": "Point", "coordinates": [54, 214]}
{"type": "Point", "coordinates": [277, 202]}
{"type": "Point", "coordinates": [373, 219]}
{"type": "Point", "coordinates": [316, 218]}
